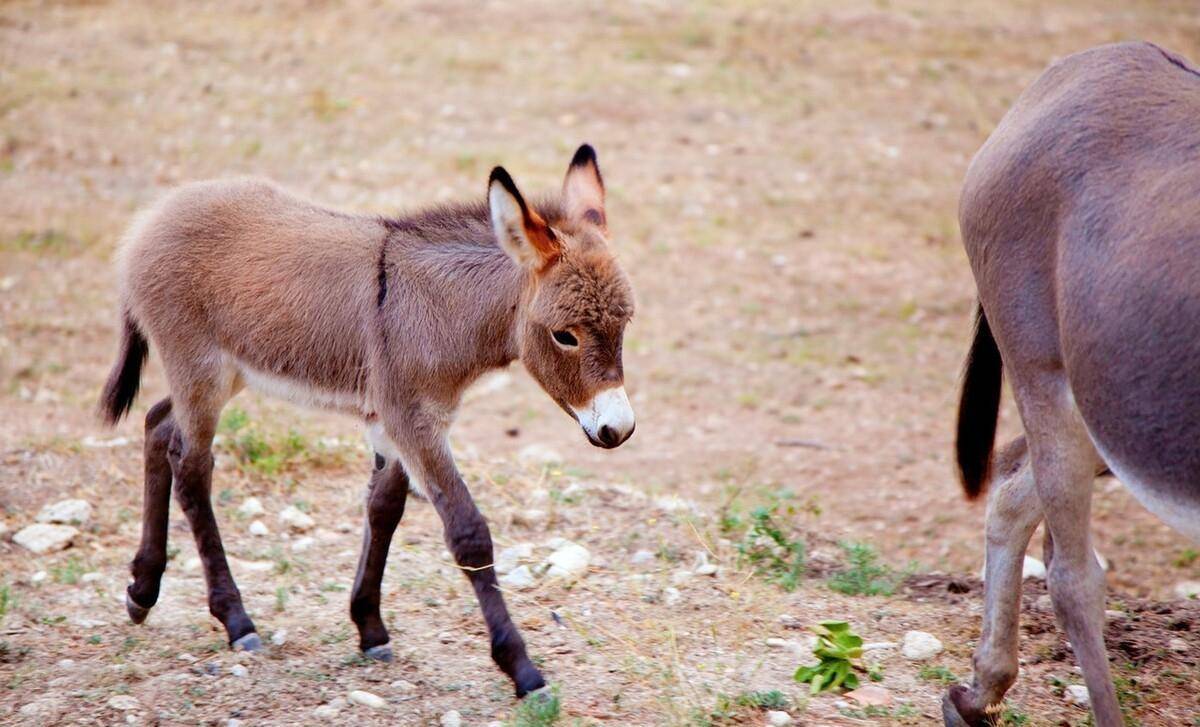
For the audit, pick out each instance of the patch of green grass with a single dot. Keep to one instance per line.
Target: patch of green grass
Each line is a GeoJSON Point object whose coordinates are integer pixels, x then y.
{"type": "Point", "coordinates": [281, 599]}
{"type": "Point", "coordinates": [70, 572]}
{"type": "Point", "coordinates": [864, 576]}
{"type": "Point", "coordinates": [7, 599]}
{"type": "Point", "coordinates": [773, 699]}
{"type": "Point", "coordinates": [1186, 558]}
{"type": "Point", "coordinates": [1013, 717]}
{"type": "Point", "coordinates": [937, 674]}
{"type": "Point", "coordinates": [538, 710]}
{"type": "Point", "coordinates": [770, 552]}
{"type": "Point", "coordinates": [256, 452]}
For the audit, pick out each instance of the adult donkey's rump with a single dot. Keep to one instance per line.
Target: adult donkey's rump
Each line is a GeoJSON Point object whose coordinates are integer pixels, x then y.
{"type": "Point", "coordinates": [389, 320]}
{"type": "Point", "coordinates": [1081, 218]}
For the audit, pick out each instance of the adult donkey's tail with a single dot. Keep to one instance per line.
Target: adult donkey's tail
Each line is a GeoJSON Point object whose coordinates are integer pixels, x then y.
{"type": "Point", "coordinates": [126, 376]}
{"type": "Point", "coordinates": [978, 408]}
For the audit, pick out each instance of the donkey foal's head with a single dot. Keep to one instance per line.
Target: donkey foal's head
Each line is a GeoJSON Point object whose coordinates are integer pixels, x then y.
{"type": "Point", "coordinates": [578, 301]}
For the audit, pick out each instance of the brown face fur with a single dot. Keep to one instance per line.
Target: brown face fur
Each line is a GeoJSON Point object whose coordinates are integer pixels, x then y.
{"type": "Point", "coordinates": [585, 293]}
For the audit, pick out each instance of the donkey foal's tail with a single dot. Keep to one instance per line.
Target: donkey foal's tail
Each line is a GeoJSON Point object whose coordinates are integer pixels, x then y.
{"type": "Point", "coordinates": [126, 376]}
{"type": "Point", "coordinates": [978, 408]}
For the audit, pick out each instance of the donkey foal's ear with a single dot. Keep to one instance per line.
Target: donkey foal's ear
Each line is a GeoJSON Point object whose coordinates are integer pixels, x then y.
{"type": "Point", "coordinates": [520, 230]}
{"type": "Point", "coordinates": [583, 189]}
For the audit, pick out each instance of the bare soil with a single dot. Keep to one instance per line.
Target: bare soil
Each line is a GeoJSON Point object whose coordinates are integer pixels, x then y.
{"type": "Point", "coordinates": [782, 179]}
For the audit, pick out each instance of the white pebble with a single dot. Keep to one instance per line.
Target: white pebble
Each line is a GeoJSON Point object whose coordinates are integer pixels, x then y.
{"type": "Point", "coordinates": [45, 538]}
{"type": "Point", "coordinates": [279, 638]}
{"type": "Point", "coordinates": [69, 512]}
{"type": "Point", "coordinates": [451, 719]}
{"type": "Point", "coordinates": [1078, 694]}
{"type": "Point", "coordinates": [569, 561]}
{"type": "Point", "coordinates": [299, 545]}
{"type": "Point", "coordinates": [239, 671]}
{"type": "Point", "coordinates": [124, 703]}
{"type": "Point", "coordinates": [367, 699]}
{"type": "Point", "coordinates": [251, 507]}
{"type": "Point", "coordinates": [518, 579]}
{"type": "Point", "coordinates": [919, 645]}
{"type": "Point", "coordinates": [296, 519]}
{"type": "Point", "coordinates": [777, 718]}
{"type": "Point", "coordinates": [258, 527]}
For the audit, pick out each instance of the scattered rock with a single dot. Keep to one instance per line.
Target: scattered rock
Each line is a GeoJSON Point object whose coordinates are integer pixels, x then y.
{"type": "Point", "coordinates": [38, 577]}
{"type": "Point", "coordinates": [69, 512]}
{"type": "Point", "coordinates": [366, 699]}
{"type": "Point", "coordinates": [330, 711]}
{"type": "Point", "coordinates": [538, 455]}
{"type": "Point", "coordinates": [1044, 603]}
{"type": "Point", "coordinates": [258, 527]}
{"type": "Point", "coordinates": [1111, 615]}
{"type": "Point", "coordinates": [518, 579]}
{"type": "Point", "coordinates": [299, 545]}
{"type": "Point", "coordinates": [90, 577]}
{"type": "Point", "coordinates": [681, 577]}
{"type": "Point", "coordinates": [404, 685]}
{"type": "Point", "coordinates": [451, 719]}
{"type": "Point", "coordinates": [920, 645]}
{"type": "Point", "coordinates": [671, 596]}
{"type": "Point", "coordinates": [642, 557]}
{"type": "Point", "coordinates": [251, 507]}
{"type": "Point", "coordinates": [789, 621]}
{"type": "Point", "coordinates": [702, 566]}
{"type": "Point", "coordinates": [446, 637]}
{"type": "Point", "coordinates": [1183, 589]}
{"type": "Point", "coordinates": [279, 638]}
{"type": "Point", "coordinates": [569, 561]}
{"type": "Point", "coordinates": [239, 671]}
{"type": "Point", "coordinates": [1178, 645]}
{"type": "Point", "coordinates": [124, 703]}
{"type": "Point", "coordinates": [530, 518]}
{"type": "Point", "coordinates": [778, 718]}
{"type": "Point", "coordinates": [871, 695]}
{"type": "Point", "coordinates": [675, 503]}
{"type": "Point", "coordinates": [1078, 694]}
{"type": "Point", "coordinates": [45, 538]}
{"type": "Point", "coordinates": [94, 443]}
{"type": "Point", "coordinates": [509, 558]}
{"type": "Point", "coordinates": [296, 519]}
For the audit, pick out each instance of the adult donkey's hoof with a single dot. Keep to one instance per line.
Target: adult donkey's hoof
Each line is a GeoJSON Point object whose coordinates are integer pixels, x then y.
{"type": "Point", "coordinates": [137, 614]}
{"type": "Point", "coordinates": [952, 716]}
{"type": "Point", "coordinates": [383, 653]}
{"type": "Point", "coordinates": [249, 642]}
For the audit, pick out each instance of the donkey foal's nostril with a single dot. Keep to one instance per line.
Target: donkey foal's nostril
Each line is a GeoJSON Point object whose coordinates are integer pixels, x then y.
{"type": "Point", "coordinates": [609, 436]}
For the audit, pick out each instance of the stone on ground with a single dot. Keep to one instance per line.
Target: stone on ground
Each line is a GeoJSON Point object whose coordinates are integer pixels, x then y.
{"type": "Point", "coordinates": [45, 538]}
{"type": "Point", "coordinates": [68, 512]}
{"type": "Point", "coordinates": [366, 699]}
{"type": "Point", "coordinates": [569, 561]}
{"type": "Point", "coordinates": [251, 507]}
{"type": "Point", "coordinates": [920, 645]}
{"type": "Point", "coordinates": [296, 519]}
{"type": "Point", "coordinates": [124, 703]}
{"type": "Point", "coordinates": [451, 719]}
{"type": "Point", "coordinates": [519, 578]}
{"type": "Point", "coordinates": [1187, 589]}
{"type": "Point", "coordinates": [1078, 694]}
{"type": "Point", "coordinates": [871, 695]}
{"type": "Point", "coordinates": [778, 718]}
{"type": "Point", "coordinates": [258, 527]}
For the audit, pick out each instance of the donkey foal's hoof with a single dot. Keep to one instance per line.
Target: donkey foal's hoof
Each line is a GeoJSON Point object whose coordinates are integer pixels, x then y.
{"type": "Point", "coordinates": [952, 717]}
{"type": "Point", "coordinates": [137, 614]}
{"type": "Point", "coordinates": [383, 653]}
{"type": "Point", "coordinates": [249, 642]}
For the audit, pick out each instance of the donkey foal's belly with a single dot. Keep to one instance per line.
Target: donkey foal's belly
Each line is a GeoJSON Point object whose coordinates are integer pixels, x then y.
{"type": "Point", "coordinates": [299, 392]}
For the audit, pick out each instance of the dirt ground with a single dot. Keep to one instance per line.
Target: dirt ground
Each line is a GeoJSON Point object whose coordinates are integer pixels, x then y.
{"type": "Point", "coordinates": [782, 179]}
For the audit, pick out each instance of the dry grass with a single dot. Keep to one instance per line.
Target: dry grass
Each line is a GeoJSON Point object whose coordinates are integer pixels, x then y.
{"type": "Point", "coordinates": [783, 179]}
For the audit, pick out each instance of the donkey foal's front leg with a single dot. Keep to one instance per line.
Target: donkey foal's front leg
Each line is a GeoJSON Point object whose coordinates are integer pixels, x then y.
{"type": "Point", "coordinates": [386, 497]}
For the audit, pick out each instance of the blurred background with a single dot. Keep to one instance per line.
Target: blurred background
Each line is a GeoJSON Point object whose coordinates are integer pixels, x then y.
{"type": "Point", "coordinates": [782, 181]}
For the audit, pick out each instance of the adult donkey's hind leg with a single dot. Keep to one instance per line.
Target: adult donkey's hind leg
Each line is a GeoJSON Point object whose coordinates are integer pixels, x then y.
{"type": "Point", "coordinates": [151, 559]}
{"type": "Point", "coordinates": [1013, 513]}
{"type": "Point", "coordinates": [386, 497]}
{"type": "Point", "coordinates": [1065, 463]}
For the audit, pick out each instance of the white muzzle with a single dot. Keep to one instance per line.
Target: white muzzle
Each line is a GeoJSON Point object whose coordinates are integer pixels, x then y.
{"type": "Point", "coordinates": [607, 419]}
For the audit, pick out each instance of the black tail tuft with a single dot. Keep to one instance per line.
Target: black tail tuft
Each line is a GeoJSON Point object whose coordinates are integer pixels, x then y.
{"type": "Point", "coordinates": [978, 409]}
{"type": "Point", "coordinates": [122, 386]}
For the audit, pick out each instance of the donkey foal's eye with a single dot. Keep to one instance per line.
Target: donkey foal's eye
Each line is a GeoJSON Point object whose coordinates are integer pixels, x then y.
{"type": "Point", "coordinates": [565, 339]}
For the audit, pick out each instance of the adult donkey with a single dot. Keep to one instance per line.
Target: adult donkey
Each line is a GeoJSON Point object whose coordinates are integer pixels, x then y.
{"type": "Point", "coordinates": [389, 320]}
{"type": "Point", "coordinates": [1081, 219]}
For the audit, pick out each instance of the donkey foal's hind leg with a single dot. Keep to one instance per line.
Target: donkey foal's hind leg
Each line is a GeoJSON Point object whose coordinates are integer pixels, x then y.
{"type": "Point", "coordinates": [385, 507]}
{"type": "Point", "coordinates": [151, 559]}
{"type": "Point", "coordinates": [1013, 514]}
{"type": "Point", "coordinates": [192, 465]}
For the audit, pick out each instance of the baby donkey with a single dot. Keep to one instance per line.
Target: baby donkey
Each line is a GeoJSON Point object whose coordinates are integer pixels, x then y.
{"type": "Point", "coordinates": [238, 283]}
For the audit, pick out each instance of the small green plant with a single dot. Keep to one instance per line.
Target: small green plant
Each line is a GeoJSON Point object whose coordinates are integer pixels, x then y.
{"type": "Point", "coordinates": [1013, 717]}
{"type": "Point", "coordinates": [938, 675]}
{"type": "Point", "coordinates": [541, 709]}
{"type": "Point", "coordinates": [773, 699]}
{"type": "Point", "coordinates": [281, 599]}
{"type": "Point", "coordinates": [68, 573]}
{"type": "Point", "coordinates": [772, 554]}
{"type": "Point", "coordinates": [838, 648]}
{"type": "Point", "coordinates": [254, 451]}
{"type": "Point", "coordinates": [6, 599]}
{"type": "Point", "coordinates": [1186, 558]}
{"type": "Point", "coordinates": [864, 576]}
